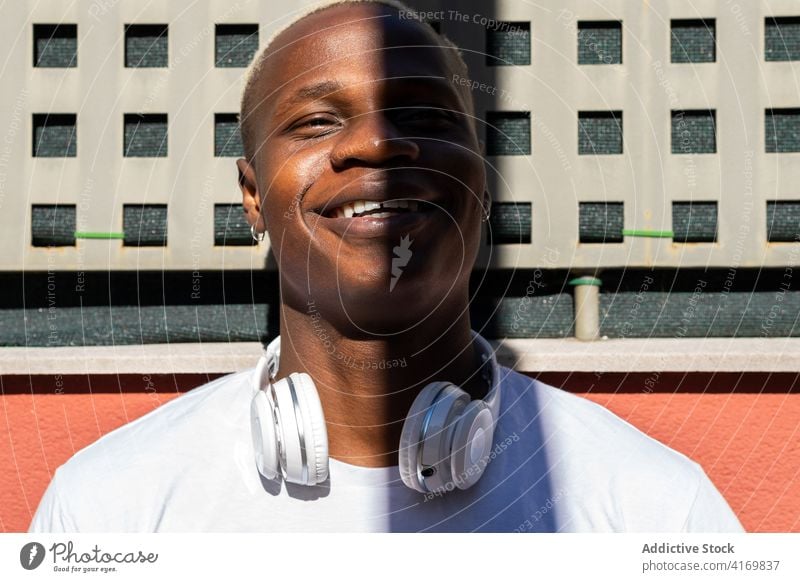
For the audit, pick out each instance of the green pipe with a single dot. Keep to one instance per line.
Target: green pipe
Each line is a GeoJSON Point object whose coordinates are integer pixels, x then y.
{"type": "Point", "coordinates": [586, 281]}
{"type": "Point", "coordinates": [650, 233]}
{"type": "Point", "coordinates": [80, 234]}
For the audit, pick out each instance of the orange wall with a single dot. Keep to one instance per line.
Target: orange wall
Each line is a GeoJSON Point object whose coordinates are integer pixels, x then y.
{"type": "Point", "coordinates": [743, 429]}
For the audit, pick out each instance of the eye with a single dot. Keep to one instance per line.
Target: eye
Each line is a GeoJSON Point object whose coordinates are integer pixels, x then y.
{"type": "Point", "coordinates": [315, 122]}
{"type": "Point", "coordinates": [424, 113]}
{"type": "Point", "coordinates": [315, 125]}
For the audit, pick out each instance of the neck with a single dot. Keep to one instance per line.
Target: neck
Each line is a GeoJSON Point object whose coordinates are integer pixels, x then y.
{"type": "Point", "coordinates": [367, 386]}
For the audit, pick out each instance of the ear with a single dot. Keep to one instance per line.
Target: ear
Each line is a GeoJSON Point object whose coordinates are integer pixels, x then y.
{"type": "Point", "coordinates": [251, 200]}
{"type": "Point", "coordinates": [487, 196]}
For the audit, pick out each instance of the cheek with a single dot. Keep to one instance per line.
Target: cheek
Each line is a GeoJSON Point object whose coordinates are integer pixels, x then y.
{"type": "Point", "coordinates": [287, 185]}
{"type": "Point", "coordinates": [462, 172]}
{"type": "Point", "coordinates": [460, 160]}
{"type": "Point", "coordinates": [466, 171]}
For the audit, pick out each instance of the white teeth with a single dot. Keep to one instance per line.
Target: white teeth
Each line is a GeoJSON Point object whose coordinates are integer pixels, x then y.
{"type": "Point", "coordinates": [361, 206]}
{"type": "Point", "coordinates": [382, 214]}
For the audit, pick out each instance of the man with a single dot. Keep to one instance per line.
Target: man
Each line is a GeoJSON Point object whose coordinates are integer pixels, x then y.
{"type": "Point", "coordinates": [352, 106]}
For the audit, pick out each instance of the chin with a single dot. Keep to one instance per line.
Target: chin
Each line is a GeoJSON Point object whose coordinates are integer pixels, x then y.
{"type": "Point", "coordinates": [372, 307]}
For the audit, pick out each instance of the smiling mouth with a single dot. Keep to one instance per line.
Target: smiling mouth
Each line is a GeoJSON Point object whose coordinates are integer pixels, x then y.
{"type": "Point", "coordinates": [386, 209]}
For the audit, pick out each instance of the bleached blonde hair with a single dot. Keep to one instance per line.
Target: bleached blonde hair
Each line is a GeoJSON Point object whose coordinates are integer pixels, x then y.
{"type": "Point", "coordinates": [253, 73]}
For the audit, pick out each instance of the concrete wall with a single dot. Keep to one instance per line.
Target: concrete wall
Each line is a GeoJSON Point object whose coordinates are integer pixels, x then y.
{"type": "Point", "coordinates": [646, 86]}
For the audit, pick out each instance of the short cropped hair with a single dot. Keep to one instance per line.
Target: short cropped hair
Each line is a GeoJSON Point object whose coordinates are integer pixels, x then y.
{"type": "Point", "coordinates": [249, 101]}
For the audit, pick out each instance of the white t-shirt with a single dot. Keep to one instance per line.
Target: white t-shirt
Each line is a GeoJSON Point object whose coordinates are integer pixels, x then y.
{"type": "Point", "coordinates": [559, 463]}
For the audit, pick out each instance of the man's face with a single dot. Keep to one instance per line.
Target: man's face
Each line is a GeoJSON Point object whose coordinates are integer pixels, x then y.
{"type": "Point", "coordinates": [349, 118]}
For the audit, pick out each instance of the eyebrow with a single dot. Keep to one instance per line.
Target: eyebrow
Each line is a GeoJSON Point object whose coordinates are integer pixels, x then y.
{"type": "Point", "coordinates": [324, 88]}
{"type": "Point", "coordinates": [428, 82]}
{"type": "Point", "coordinates": [306, 93]}
{"type": "Point", "coordinates": [431, 84]}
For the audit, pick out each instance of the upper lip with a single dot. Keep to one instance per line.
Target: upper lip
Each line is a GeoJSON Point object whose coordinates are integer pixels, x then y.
{"type": "Point", "coordinates": [377, 191]}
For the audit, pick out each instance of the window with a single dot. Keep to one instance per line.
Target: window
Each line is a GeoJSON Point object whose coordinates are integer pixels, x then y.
{"type": "Point", "coordinates": [600, 42]}
{"type": "Point", "coordinates": [508, 133]}
{"type": "Point", "coordinates": [146, 45]}
{"type": "Point", "coordinates": [599, 132]}
{"type": "Point", "coordinates": [694, 41]}
{"type": "Point", "coordinates": [783, 220]}
{"type": "Point", "coordinates": [782, 38]}
{"type": "Point", "coordinates": [227, 139]}
{"type": "Point", "coordinates": [601, 222]}
{"type": "Point", "coordinates": [510, 223]}
{"type": "Point", "coordinates": [55, 45]}
{"type": "Point", "coordinates": [145, 135]}
{"type": "Point", "coordinates": [52, 225]}
{"type": "Point", "coordinates": [508, 43]}
{"type": "Point", "coordinates": [230, 226]}
{"type": "Point", "coordinates": [54, 135]}
{"type": "Point", "coordinates": [694, 222]}
{"type": "Point", "coordinates": [694, 132]}
{"type": "Point", "coordinates": [782, 130]}
{"type": "Point", "coordinates": [144, 225]}
{"type": "Point", "coordinates": [236, 44]}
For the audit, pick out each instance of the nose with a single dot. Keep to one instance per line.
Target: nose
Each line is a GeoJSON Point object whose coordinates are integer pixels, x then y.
{"type": "Point", "coordinates": [373, 140]}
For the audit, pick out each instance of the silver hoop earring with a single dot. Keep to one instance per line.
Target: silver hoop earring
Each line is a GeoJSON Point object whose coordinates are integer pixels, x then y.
{"type": "Point", "coordinates": [258, 237]}
{"type": "Point", "coordinates": [487, 208]}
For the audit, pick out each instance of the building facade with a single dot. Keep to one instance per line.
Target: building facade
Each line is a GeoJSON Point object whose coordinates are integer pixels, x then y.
{"type": "Point", "coordinates": [620, 136]}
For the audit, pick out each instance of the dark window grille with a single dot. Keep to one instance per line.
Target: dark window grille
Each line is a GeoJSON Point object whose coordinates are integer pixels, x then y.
{"type": "Point", "coordinates": [510, 223]}
{"type": "Point", "coordinates": [145, 135]}
{"type": "Point", "coordinates": [54, 135]}
{"type": "Point", "coordinates": [53, 225]}
{"type": "Point", "coordinates": [145, 225]}
{"type": "Point", "coordinates": [599, 132]}
{"type": "Point", "coordinates": [694, 222]}
{"type": "Point", "coordinates": [236, 44]}
{"type": "Point", "coordinates": [508, 43]}
{"type": "Point", "coordinates": [508, 133]}
{"type": "Point", "coordinates": [694, 132]}
{"type": "Point", "coordinates": [601, 222]}
{"type": "Point", "coordinates": [55, 45]}
{"type": "Point", "coordinates": [146, 45]}
{"type": "Point", "coordinates": [694, 41]}
{"type": "Point", "coordinates": [600, 42]}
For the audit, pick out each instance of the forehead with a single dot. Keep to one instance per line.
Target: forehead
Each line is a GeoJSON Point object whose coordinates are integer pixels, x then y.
{"type": "Point", "coordinates": [353, 41]}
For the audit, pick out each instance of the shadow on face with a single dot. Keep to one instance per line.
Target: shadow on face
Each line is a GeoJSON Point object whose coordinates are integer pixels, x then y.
{"type": "Point", "coordinates": [369, 171]}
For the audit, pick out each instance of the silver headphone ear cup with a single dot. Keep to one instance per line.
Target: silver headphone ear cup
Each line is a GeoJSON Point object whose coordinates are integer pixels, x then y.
{"type": "Point", "coordinates": [262, 429]}
{"type": "Point", "coordinates": [425, 441]}
{"type": "Point", "coordinates": [410, 435]}
{"type": "Point", "coordinates": [290, 441]}
{"type": "Point", "coordinates": [472, 444]}
{"type": "Point", "coordinates": [438, 438]}
{"type": "Point", "coordinates": [314, 429]}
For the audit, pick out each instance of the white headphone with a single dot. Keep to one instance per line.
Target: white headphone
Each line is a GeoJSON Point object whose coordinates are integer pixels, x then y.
{"type": "Point", "coordinates": [445, 441]}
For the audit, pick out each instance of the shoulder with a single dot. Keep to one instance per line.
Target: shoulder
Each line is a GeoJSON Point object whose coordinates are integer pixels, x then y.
{"type": "Point", "coordinates": [185, 416]}
{"type": "Point", "coordinates": [121, 473]}
{"type": "Point", "coordinates": [612, 475]}
{"type": "Point", "coordinates": [577, 425]}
